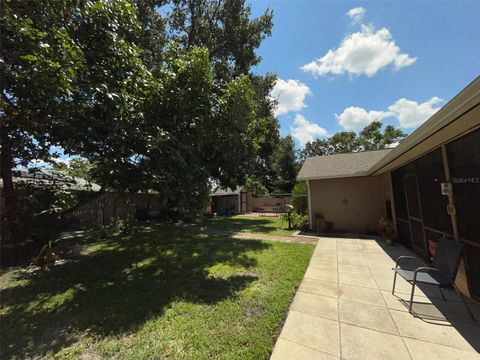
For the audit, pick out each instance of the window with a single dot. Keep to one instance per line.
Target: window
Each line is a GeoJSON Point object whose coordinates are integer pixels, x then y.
{"type": "Point", "coordinates": [464, 161]}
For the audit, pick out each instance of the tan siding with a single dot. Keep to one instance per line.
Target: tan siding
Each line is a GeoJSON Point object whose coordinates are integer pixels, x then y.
{"type": "Point", "coordinates": [354, 204]}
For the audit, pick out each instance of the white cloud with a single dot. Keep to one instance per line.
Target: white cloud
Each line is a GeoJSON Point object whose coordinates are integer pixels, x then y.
{"type": "Point", "coordinates": [356, 118]}
{"type": "Point", "coordinates": [364, 52]}
{"type": "Point", "coordinates": [305, 131]}
{"type": "Point", "coordinates": [412, 114]}
{"type": "Point", "coordinates": [356, 14]}
{"type": "Point", "coordinates": [409, 114]}
{"type": "Point", "coordinates": [62, 161]}
{"type": "Point", "coordinates": [290, 95]}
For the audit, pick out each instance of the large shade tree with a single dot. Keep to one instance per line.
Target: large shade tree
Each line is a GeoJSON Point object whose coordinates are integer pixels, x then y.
{"type": "Point", "coordinates": [72, 77]}
{"type": "Point", "coordinates": [232, 36]}
{"type": "Point", "coordinates": [97, 79]}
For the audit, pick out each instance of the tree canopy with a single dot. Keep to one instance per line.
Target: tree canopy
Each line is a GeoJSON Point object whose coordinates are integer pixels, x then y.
{"type": "Point", "coordinates": [370, 138]}
{"type": "Point", "coordinates": [159, 95]}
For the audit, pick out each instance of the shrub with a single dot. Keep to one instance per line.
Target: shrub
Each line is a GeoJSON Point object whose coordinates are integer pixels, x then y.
{"type": "Point", "coordinates": [298, 221]}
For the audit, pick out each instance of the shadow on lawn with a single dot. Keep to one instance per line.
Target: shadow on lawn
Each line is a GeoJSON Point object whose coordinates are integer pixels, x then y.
{"type": "Point", "coordinates": [118, 287]}
{"type": "Point", "coordinates": [252, 225]}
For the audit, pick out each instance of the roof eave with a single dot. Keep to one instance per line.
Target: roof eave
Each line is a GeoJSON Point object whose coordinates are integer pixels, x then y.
{"type": "Point", "coordinates": [461, 103]}
{"type": "Point", "coordinates": [309, 178]}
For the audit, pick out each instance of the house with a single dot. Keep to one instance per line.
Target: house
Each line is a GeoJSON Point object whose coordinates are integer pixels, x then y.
{"type": "Point", "coordinates": [47, 177]}
{"type": "Point", "coordinates": [94, 205]}
{"type": "Point", "coordinates": [428, 186]}
{"type": "Point", "coordinates": [232, 201]}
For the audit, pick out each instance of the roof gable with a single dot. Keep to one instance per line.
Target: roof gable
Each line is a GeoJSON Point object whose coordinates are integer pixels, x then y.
{"type": "Point", "coordinates": [228, 191]}
{"type": "Point", "coordinates": [340, 165]}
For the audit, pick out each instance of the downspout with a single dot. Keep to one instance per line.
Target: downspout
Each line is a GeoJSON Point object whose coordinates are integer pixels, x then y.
{"type": "Point", "coordinates": [392, 201]}
{"type": "Point", "coordinates": [309, 196]}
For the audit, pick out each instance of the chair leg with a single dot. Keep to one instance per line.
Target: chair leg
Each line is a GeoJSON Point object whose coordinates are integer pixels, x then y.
{"type": "Point", "coordinates": [411, 297]}
{"type": "Point", "coordinates": [394, 281]}
{"type": "Point", "coordinates": [465, 303]}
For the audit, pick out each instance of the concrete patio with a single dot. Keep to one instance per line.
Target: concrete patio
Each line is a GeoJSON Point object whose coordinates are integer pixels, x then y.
{"type": "Point", "coordinates": [344, 309]}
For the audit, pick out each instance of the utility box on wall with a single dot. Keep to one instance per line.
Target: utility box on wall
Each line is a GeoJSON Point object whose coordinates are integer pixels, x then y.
{"type": "Point", "coordinates": [446, 188]}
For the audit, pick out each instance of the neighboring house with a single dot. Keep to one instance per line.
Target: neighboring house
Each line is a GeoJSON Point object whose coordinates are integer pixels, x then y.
{"type": "Point", "coordinates": [95, 206]}
{"type": "Point", "coordinates": [428, 186]}
{"type": "Point", "coordinates": [47, 177]}
{"type": "Point", "coordinates": [236, 201]}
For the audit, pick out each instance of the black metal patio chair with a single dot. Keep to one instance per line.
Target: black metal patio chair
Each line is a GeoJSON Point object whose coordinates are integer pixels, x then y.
{"type": "Point", "coordinates": [442, 273]}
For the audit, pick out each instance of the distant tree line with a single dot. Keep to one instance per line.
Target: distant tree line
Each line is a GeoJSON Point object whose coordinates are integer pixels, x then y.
{"type": "Point", "coordinates": [371, 137]}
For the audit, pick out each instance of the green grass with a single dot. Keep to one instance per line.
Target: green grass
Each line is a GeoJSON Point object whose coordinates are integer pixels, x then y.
{"type": "Point", "coordinates": [160, 293]}
{"type": "Point", "coordinates": [243, 223]}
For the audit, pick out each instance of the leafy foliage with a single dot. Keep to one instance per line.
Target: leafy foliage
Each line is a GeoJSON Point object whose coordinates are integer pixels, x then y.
{"type": "Point", "coordinates": [75, 167]}
{"type": "Point", "coordinates": [161, 101]}
{"type": "Point", "coordinates": [370, 138]}
{"type": "Point", "coordinates": [72, 77]}
{"type": "Point", "coordinates": [300, 188]}
{"type": "Point", "coordinates": [285, 165]}
{"type": "Point", "coordinates": [298, 221]}
{"type": "Point", "coordinates": [225, 27]}
{"type": "Point", "coordinates": [256, 187]}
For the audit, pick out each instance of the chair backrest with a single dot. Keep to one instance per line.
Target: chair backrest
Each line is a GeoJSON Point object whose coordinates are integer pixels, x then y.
{"type": "Point", "coordinates": [447, 257]}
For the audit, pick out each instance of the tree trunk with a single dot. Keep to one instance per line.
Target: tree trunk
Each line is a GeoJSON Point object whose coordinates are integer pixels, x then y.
{"type": "Point", "coordinates": [9, 206]}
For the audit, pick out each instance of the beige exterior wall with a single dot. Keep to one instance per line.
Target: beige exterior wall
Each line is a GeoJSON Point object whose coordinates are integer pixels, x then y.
{"type": "Point", "coordinates": [353, 204]}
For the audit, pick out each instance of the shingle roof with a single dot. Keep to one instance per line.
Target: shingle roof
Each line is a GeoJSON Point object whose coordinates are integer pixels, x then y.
{"type": "Point", "coordinates": [228, 191]}
{"type": "Point", "coordinates": [47, 177]}
{"type": "Point", "coordinates": [340, 165]}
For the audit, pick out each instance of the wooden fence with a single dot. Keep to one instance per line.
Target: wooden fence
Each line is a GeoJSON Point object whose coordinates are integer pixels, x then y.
{"type": "Point", "coordinates": [103, 207]}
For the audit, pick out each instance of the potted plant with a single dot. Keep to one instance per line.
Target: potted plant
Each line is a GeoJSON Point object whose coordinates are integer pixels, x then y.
{"type": "Point", "coordinates": [390, 234]}
{"type": "Point", "coordinates": [329, 226]}
{"type": "Point", "coordinates": [386, 231]}
{"type": "Point", "coordinates": [381, 226]}
{"type": "Point", "coordinates": [432, 246]}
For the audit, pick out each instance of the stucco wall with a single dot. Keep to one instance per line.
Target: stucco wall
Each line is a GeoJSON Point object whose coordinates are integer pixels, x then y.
{"type": "Point", "coordinates": [353, 204]}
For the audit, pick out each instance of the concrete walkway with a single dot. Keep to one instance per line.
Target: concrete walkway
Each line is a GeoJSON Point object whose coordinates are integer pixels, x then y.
{"type": "Point", "coordinates": [344, 309]}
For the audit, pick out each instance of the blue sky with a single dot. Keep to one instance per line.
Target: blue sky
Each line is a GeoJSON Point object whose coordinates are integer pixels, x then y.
{"type": "Point", "coordinates": [343, 64]}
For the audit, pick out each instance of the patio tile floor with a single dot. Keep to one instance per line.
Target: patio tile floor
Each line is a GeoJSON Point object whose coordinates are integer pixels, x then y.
{"type": "Point", "coordinates": [344, 309]}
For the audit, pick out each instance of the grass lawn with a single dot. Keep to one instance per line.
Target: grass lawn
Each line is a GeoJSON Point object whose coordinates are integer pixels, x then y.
{"type": "Point", "coordinates": [159, 293]}
{"type": "Point", "coordinates": [261, 224]}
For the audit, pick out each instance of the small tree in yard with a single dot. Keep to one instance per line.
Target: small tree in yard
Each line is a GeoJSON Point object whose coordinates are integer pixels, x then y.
{"type": "Point", "coordinates": [285, 165]}
{"type": "Point", "coordinates": [300, 200]}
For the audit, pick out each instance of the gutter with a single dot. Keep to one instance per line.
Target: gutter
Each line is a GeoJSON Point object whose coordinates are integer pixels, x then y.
{"type": "Point", "coordinates": [362, 174]}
